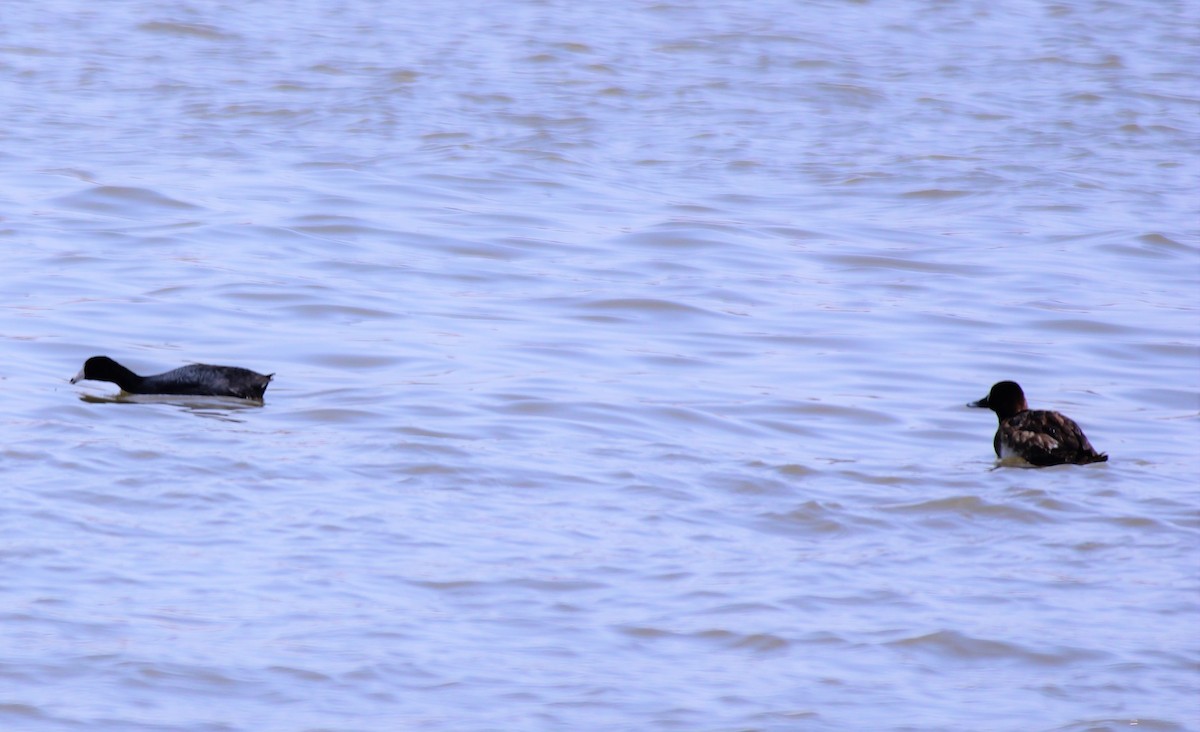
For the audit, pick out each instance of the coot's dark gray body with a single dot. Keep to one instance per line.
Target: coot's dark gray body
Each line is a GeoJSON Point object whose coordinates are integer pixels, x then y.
{"type": "Point", "coordinates": [197, 379]}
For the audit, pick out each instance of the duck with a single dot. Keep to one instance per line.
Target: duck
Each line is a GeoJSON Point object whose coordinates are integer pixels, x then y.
{"type": "Point", "coordinates": [197, 379]}
{"type": "Point", "coordinates": [1039, 437]}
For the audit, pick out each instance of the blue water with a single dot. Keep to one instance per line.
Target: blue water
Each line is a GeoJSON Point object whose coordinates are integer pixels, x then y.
{"type": "Point", "coordinates": [622, 356]}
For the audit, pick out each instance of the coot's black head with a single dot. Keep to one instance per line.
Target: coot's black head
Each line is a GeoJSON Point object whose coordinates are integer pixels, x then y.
{"type": "Point", "coordinates": [1005, 399]}
{"type": "Point", "coordinates": [103, 368]}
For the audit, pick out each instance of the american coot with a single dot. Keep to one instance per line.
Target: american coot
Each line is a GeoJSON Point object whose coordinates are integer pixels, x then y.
{"type": "Point", "coordinates": [1040, 437]}
{"type": "Point", "coordinates": [197, 379]}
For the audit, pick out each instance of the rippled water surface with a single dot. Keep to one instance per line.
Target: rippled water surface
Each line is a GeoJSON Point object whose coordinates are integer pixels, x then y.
{"type": "Point", "coordinates": [622, 352]}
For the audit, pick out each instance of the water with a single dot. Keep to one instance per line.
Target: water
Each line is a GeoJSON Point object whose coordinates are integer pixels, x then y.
{"type": "Point", "coordinates": [622, 355]}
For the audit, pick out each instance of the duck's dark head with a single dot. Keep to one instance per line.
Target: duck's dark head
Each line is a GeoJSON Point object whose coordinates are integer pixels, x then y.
{"type": "Point", "coordinates": [1005, 399]}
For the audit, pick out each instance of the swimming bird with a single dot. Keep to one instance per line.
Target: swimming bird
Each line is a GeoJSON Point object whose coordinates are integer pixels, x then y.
{"type": "Point", "coordinates": [197, 379]}
{"type": "Point", "coordinates": [1040, 437]}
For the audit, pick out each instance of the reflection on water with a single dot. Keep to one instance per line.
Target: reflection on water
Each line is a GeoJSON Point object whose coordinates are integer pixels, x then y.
{"type": "Point", "coordinates": [625, 352]}
{"type": "Point", "coordinates": [204, 406]}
